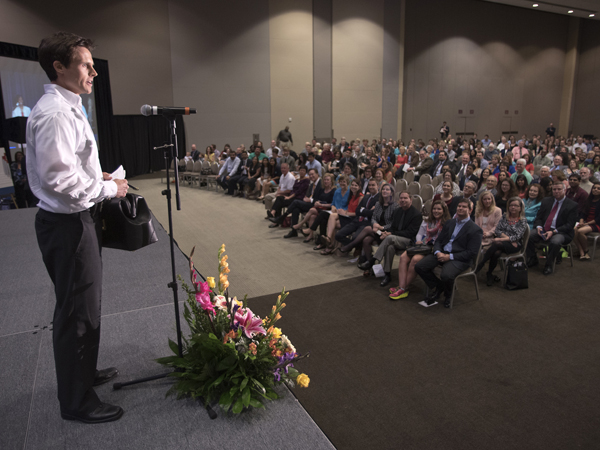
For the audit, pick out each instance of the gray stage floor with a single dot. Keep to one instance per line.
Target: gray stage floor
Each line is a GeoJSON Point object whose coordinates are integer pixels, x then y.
{"type": "Point", "coordinates": [137, 320]}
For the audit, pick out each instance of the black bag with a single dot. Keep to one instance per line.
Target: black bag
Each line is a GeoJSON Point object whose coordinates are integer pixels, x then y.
{"type": "Point", "coordinates": [127, 223]}
{"type": "Point", "coordinates": [517, 276]}
{"type": "Point", "coordinates": [421, 249]}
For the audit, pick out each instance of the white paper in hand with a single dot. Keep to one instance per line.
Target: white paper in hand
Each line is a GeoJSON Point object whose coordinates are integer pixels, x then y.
{"type": "Point", "coordinates": [118, 174]}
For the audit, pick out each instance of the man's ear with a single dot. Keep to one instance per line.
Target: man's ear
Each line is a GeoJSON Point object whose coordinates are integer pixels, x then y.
{"type": "Point", "coordinates": [58, 67]}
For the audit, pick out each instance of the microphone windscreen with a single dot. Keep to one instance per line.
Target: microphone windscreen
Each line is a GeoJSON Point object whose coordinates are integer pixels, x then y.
{"type": "Point", "coordinates": [146, 110]}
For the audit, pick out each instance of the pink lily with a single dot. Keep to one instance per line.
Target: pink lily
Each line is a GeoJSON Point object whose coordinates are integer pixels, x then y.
{"type": "Point", "coordinates": [249, 322]}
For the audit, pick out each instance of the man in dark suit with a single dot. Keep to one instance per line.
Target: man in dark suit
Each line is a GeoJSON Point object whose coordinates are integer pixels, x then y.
{"type": "Point", "coordinates": [241, 176]}
{"type": "Point", "coordinates": [469, 176]}
{"type": "Point", "coordinates": [301, 206]}
{"type": "Point", "coordinates": [554, 224]}
{"type": "Point", "coordinates": [195, 154]}
{"type": "Point", "coordinates": [405, 226]}
{"type": "Point", "coordinates": [440, 161]}
{"type": "Point", "coordinates": [364, 212]}
{"type": "Point", "coordinates": [454, 250]}
{"type": "Point", "coordinates": [423, 166]}
{"type": "Point", "coordinates": [348, 158]}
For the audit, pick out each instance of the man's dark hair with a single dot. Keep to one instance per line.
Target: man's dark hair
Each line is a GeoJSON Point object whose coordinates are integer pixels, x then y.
{"type": "Point", "coordinates": [60, 47]}
{"type": "Point", "coordinates": [575, 175]}
{"type": "Point", "coordinates": [313, 170]}
{"type": "Point", "coordinates": [444, 152]}
{"type": "Point", "coordinates": [465, 200]}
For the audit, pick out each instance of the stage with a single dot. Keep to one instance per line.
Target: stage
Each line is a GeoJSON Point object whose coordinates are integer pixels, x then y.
{"type": "Point", "coordinates": [137, 320]}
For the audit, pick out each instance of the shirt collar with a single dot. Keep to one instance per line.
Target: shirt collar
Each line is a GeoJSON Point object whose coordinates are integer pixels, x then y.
{"type": "Point", "coordinates": [71, 98]}
{"type": "Point", "coordinates": [462, 222]}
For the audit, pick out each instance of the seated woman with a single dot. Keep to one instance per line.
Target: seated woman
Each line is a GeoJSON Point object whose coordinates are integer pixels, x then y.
{"type": "Point", "coordinates": [529, 167]}
{"type": "Point", "coordinates": [509, 237]}
{"type": "Point", "coordinates": [379, 178]}
{"type": "Point", "coordinates": [347, 173]}
{"type": "Point", "coordinates": [341, 217]}
{"type": "Point", "coordinates": [401, 159]}
{"type": "Point", "coordinates": [487, 216]}
{"type": "Point", "coordinates": [334, 165]}
{"type": "Point", "coordinates": [595, 165]}
{"type": "Point", "coordinates": [263, 179]}
{"type": "Point", "coordinates": [481, 184]}
{"type": "Point", "coordinates": [533, 201]}
{"type": "Point", "coordinates": [506, 191]}
{"type": "Point", "coordinates": [253, 175]}
{"type": "Point", "coordinates": [446, 195]}
{"type": "Point", "coordinates": [572, 168]}
{"type": "Point", "coordinates": [271, 179]}
{"type": "Point", "coordinates": [380, 221]}
{"type": "Point", "coordinates": [321, 202]}
{"type": "Point", "coordinates": [428, 233]}
{"type": "Point", "coordinates": [589, 221]}
{"type": "Point", "coordinates": [521, 183]}
{"type": "Point", "coordinates": [559, 175]}
{"type": "Point", "coordinates": [388, 175]}
{"type": "Point", "coordinates": [508, 159]}
{"type": "Point", "coordinates": [340, 201]}
{"type": "Point", "coordinates": [448, 175]}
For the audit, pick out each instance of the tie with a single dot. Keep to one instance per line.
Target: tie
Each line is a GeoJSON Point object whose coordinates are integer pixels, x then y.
{"type": "Point", "coordinates": [550, 218]}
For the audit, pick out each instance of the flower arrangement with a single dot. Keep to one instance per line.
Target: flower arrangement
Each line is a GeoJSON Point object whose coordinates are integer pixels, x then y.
{"type": "Point", "coordinates": [232, 356]}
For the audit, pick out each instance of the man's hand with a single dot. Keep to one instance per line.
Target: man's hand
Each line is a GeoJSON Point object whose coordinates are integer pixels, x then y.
{"type": "Point", "coordinates": [385, 234]}
{"type": "Point", "coordinates": [306, 199]}
{"type": "Point", "coordinates": [289, 197]}
{"type": "Point", "coordinates": [443, 257]}
{"type": "Point", "coordinates": [106, 176]}
{"type": "Point", "coordinates": [227, 177]}
{"type": "Point", "coordinates": [122, 187]}
{"type": "Point", "coordinates": [548, 234]}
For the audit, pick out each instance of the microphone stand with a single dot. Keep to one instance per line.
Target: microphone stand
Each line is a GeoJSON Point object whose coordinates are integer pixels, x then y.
{"type": "Point", "coordinates": [170, 154]}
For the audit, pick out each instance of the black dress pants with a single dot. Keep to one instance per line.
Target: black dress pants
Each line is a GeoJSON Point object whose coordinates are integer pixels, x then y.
{"type": "Point", "coordinates": [70, 246]}
{"type": "Point", "coordinates": [450, 270]}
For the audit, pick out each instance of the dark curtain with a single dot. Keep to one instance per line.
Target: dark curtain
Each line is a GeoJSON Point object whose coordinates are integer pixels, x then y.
{"type": "Point", "coordinates": [136, 136]}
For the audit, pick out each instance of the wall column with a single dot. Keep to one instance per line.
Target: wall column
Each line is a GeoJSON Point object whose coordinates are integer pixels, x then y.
{"type": "Point", "coordinates": [568, 91]}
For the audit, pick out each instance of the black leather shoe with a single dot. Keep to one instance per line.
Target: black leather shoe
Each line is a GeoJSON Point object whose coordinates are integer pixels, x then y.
{"type": "Point", "coordinates": [274, 225]}
{"type": "Point", "coordinates": [532, 262]}
{"type": "Point", "coordinates": [105, 375]}
{"type": "Point", "coordinates": [447, 303]}
{"type": "Point", "coordinates": [386, 280]}
{"type": "Point", "coordinates": [489, 279]}
{"type": "Point", "coordinates": [273, 219]}
{"type": "Point", "coordinates": [548, 270]}
{"type": "Point", "coordinates": [103, 413]}
{"type": "Point", "coordinates": [366, 265]}
{"type": "Point", "coordinates": [559, 259]}
{"type": "Point", "coordinates": [291, 234]}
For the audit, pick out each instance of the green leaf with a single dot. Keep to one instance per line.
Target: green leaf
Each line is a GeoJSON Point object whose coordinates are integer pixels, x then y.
{"type": "Point", "coordinates": [225, 401]}
{"type": "Point", "coordinates": [246, 397]}
{"type": "Point", "coordinates": [174, 347]}
{"type": "Point", "coordinates": [260, 387]}
{"type": "Point", "coordinates": [238, 406]}
{"type": "Point", "coordinates": [227, 362]}
{"type": "Point", "coordinates": [256, 403]}
{"type": "Point", "coordinates": [244, 383]}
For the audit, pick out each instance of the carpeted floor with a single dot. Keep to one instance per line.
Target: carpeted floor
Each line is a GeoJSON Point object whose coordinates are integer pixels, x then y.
{"type": "Point", "coordinates": [516, 370]}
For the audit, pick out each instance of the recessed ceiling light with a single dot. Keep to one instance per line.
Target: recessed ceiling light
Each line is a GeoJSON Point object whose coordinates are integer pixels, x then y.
{"type": "Point", "coordinates": [570, 11]}
{"type": "Point", "coordinates": [535, 5]}
{"type": "Point", "coordinates": [592, 15]}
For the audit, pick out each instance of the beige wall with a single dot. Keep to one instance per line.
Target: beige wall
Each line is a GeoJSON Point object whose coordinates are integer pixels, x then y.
{"type": "Point", "coordinates": [133, 36]}
{"type": "Point", "coordinates": [586, 118]}
{"type": "Point", "coordinates": [357, 68]}
{"type": "Point", "coordinates": [487, 66]}
{"type": "Point", "coordinates": [291, 69]}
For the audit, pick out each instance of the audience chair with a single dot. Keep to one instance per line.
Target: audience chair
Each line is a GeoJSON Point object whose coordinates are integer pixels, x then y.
{"type": "Point", "coordinates": [212, 179]}
{"type": "Point", "coordinates": [427, 208]}
{"type": "Point", "coordinates": [425, 179]}
{"type": "Point", "coordinates": [594, 238]}
{"type": "Point", "coordinates": [417, 202]}
{"type": "Point", "coordinates": [414, 188]}
{"type": "Point", "coordinates": [393, 183]}
{"type": "Point", "coordinates": [470, 272]}
{"type": "Point", "coordinates": [163, 172]}
{"type": "Point", "coordinates": [566, 247]}
{"type": "Point", "coordinates": [185, 169]}
{"type": "Point", "coordinates": [409, 176]}
{"type": "Point", "coordinates": [204, 176]}
{"type": "Point", "coordinates": [427, 192]}
{"type": "Point", "coordinates": [401, 186]}
{"type": "Point", "coordinates": [504, 260]}
{"type": "Point", "coordinates": [436, 181]}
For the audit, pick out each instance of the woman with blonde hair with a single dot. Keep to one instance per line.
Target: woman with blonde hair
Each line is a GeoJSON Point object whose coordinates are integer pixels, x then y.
{"type": "Point", "coordinates": [487, 216]}
{"type": "Point", "coordinates": [508, 237]}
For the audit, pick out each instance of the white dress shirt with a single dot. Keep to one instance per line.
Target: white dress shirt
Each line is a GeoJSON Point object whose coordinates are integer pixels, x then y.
{"type": "Point", "coordinates": [62, 156]}
{"type": "Point", "coordinates": [286, 182]}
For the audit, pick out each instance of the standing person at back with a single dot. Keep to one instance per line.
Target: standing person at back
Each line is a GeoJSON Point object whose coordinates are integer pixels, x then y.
{"type": "Point", "coordinates": [65, 174]}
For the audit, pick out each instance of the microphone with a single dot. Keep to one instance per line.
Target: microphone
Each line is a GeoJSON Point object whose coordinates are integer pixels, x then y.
{"type": "Point", "coordinates": [163, 146]}
{"type": "Point", "coordinates": [148, 110]}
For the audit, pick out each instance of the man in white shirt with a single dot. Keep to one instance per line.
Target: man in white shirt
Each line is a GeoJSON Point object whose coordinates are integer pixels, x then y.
{"type": "Point", "coordinates": [228, 170]}
{"type": "Point", "coordinates": [269, 151]}
{"type": "Point", "coordinates": [286, 183]}
{"type": "Point", "coordinates": [64, 173]}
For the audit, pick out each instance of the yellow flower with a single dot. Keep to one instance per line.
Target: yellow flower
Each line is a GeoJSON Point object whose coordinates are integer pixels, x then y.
{"type": "Point", "coordinates": [211, 282]}
{"type": "Point", "coordinates": [222, 249]}
{"type": "Point", "coordinates": [302, 380]}
{"type": "Point", "coordinates": [276, 332]}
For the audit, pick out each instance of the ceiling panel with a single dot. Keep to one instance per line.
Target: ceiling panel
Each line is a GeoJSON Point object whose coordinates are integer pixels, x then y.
{"type": "Point", "coordinates": [580, 8]}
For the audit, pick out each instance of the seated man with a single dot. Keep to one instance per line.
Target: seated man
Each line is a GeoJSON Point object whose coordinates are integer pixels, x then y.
{"type": "Point", "coordinates": [297, 193]}
{"type": "Point", "coordinates": [228, 170]}
{"type": "Point", "coordinates": [405, 226]}
{"type": "Point", "coordinates": [455, 249]}
{"type": "Point", "coordinates": [241, 176]}
{"type": "Point", "coordinates": [364, 212]}
{"type": "Point", "coordinates": [554, 224]}
{"type": "Point", "coordinates": [286, 183]}
{"type": "Point", "coordinates": [575, 192]}
{"type": "Point", "coordinates": [469, 194]}
{"type": "Point", "coordinates": [520, 170]}
{"type": "Point", "coordinates": [298, 206]}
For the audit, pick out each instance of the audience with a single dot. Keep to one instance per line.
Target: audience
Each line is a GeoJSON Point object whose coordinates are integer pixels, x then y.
{"type": "Point", "coordinates": [487, 216]}
{"type": "Point", "coordinates": [533, 201]}
{"type": "Point", "coordinates": [589, 220]}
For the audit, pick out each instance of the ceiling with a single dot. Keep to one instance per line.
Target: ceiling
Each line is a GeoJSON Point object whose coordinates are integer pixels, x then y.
{"type": "Point", "coordinates": [580, 8]}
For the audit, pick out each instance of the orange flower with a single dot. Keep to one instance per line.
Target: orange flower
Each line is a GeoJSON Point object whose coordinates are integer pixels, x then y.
{"type": "Point", "coordinates": [252, 347]}
{"type": "Point", "coordinates": [232, 334]}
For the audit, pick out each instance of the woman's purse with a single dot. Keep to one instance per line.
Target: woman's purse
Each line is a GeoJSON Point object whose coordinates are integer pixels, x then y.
{"type": "Point", "coordinates": [517, 277]}
{"type": "Point", "coordinates": [127, 223]}
{"type": "Point", "coordinates": [420, 249]}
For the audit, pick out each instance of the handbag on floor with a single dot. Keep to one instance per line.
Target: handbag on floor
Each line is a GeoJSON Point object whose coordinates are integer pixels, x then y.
{"type": "Point", "coordinates": [517, 277]}
{"type": "Point", "coordinates": [127, 223]}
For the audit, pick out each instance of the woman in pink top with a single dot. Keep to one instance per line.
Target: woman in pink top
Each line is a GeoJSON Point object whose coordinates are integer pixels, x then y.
{"type": "Point", "coordinates": [487, 216]}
